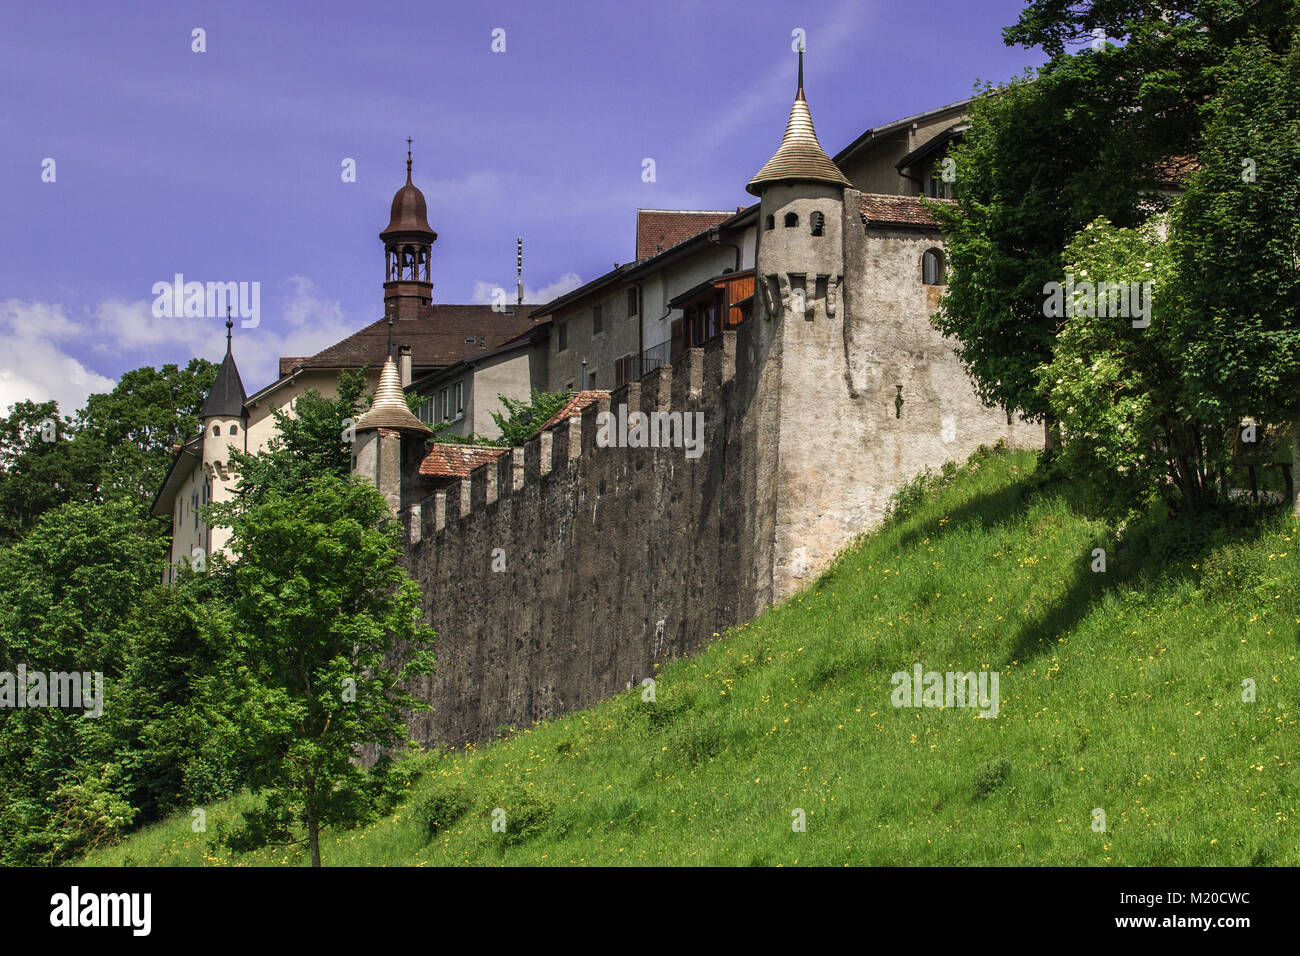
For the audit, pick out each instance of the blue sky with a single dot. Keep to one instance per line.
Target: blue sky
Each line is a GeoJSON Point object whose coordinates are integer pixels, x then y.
{"type": "Point", "coordinates": [225, 165]}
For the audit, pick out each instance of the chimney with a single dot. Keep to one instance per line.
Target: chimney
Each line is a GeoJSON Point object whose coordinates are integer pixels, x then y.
{"type": "Point", "coordinates": [404, 364]}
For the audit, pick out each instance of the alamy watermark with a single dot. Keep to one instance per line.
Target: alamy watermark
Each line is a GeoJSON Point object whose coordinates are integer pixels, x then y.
{"type": "Point", "coordinates": [75, 690]}
{"type": "Point", "coordinates": [654, 430]}
{"type": "Point", "coordinates": [1126, 300]}
{"type": "Point", "coordinates": [948, 689]}
{"type": "Point", "coordinates": [179, 299]}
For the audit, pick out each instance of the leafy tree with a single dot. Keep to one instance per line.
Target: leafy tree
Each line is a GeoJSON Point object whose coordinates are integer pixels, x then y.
{"type": "Point", "coordinates": [1041, 159]}
{"type": "Point", "coordinates": [312, 439]}
{"type": "Point", "coordinates": [1092, 135]}
{"type": "Point", "coordinates": [135, 428]}
{"type": "Point", "coordinates": [1236, 247]}
{"type": "Point", "coordinates": [519, 422]}
{"type": "Point", "coordinates": [70, 588]}
{"type": "Point", "coordinates": [327, 628]}
{"type": "Point", "coordinates": [1126, 427]}
{"type": "Point", "coordinates": [41, 467]}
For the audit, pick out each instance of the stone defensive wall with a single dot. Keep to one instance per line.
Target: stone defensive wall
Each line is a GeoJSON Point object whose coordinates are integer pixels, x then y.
{"type": "Point", "coordinates": [565, 571]}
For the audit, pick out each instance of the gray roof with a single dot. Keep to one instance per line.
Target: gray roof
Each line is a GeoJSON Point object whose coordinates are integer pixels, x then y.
{"type": "Point", "coordinates": [226, 398]}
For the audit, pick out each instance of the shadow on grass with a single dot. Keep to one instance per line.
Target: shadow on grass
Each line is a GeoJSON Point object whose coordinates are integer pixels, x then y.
{"type": "Point", "coordinates": [985, 512]}
{"type": "Point", "coordinates": [1156, 552]}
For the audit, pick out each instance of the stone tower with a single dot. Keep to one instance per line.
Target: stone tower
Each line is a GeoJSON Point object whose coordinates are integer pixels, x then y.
{"type": "Point", "coordinates": [224, 419]}
{"type": "Point", "coordinates": [799, 278]}
{"type": "Point", "coordinates": [408, 243]}
{"type": "Point", "coordinates": [379, 446]}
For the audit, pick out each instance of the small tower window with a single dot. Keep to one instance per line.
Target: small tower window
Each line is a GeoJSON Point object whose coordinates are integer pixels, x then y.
{"type": "Point", "coordinates": [818, 223]}
{"type": "Point", "coordinates": [771, 222]}
{"type": "Point", "coordinates": [234, 429]}
{"type": "Point", "coordinates": [791, 219]}
{"type": "Point", "coordinates": [934, 270]}
{"type": "Point", "coordinates": [216, 429]}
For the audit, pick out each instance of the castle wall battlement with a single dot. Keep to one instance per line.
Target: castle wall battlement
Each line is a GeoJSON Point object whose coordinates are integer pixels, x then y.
{"type": "Point", "coordinates": [565, 571]}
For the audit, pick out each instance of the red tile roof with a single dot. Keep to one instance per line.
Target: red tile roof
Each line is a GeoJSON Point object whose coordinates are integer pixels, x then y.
{"type": "Point", "coordinates": [574, 407]}
{"type": "Point", "coordinates": [1176, 170]}
{"type": "Point", "coordinates": [437, 338]}
{"type": "Point", "coordinates": [445, 460]}
{"type": "Point", "coordinates": [660, 229]}
{"type": "Point", "coordinates": [884, 210]}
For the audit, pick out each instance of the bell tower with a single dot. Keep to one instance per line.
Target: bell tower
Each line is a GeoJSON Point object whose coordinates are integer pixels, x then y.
{"type": "Point", "coordinates": [408, 243]}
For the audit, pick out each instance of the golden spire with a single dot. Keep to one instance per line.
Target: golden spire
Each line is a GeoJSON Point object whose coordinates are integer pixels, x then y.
{"type": "Point", "coordinates": [800, 157]}
{"type": "Point", "coordinates": [389, 409]}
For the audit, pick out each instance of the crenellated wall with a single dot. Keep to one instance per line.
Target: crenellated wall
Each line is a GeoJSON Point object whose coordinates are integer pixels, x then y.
{"type": "Point", "coordinates": [613, 558]}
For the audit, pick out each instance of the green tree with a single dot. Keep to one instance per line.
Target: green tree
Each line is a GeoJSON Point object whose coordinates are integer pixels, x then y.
{"type": "Point", "coordinates": [1236, 248]}
{"type": "Point", "coordinates": [520, 421]}
{"type": "Point", "coordinates": [328, 629]}
{"type": "Point", "coordinates": [1127, 429]}
{"type": "Point", "coordinates": [312, 439]}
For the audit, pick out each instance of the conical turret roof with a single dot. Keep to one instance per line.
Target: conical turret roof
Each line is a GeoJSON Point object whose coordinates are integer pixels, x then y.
{"type": "Point", "coordinates": [389, 409]}
{"type": "Point", "coordinates": [800, 157]}
{"type": "Point", "coordinates": [227, 396]}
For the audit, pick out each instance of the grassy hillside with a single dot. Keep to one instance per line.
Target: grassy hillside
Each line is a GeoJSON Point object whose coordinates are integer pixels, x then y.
{"type": "Point", "coordinates": [1119, 690]}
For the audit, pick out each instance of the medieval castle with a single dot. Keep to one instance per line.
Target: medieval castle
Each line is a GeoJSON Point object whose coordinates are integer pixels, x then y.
{"type": "Point", "coordinates": [794, 334]}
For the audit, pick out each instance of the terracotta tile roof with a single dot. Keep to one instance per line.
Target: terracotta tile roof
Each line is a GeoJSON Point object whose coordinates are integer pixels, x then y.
{"type": "Point", "coordinates": [457, 461]}
{"type": "Point", "coordinates": [446, 460]}
{"type": "Point", "coordinates": [574, 407]}
{"type": "Point", "coordinates": [661, 229]}
{"type": "Point", "coordinates": [437, 338]}
{"type": "Point", "coordinates": [884, 210]}
{"type": "Point", "coordinates": [1175, 170]}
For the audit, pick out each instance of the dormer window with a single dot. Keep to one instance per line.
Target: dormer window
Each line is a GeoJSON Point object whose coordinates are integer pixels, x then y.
{"type": "Point", "coordinates": [817, 222]}
{"type": "Point", "coordinates": [791, 219]}
{"type": "Point", "coordinates": [934, 270]}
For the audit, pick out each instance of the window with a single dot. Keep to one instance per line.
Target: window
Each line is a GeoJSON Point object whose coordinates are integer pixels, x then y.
{"type": "Point", "coordinates": [631, 302]}
{"type": "Point", "coordinates": [460, 399]}
{"type": "Point", "coordinates": [771, 222]}
{"type": "Point", "coordinates": [791, 219]}
{"type": "Point", "coordinates": [234, 429]}
{"type": "Point", "coordinates": [568, 387]}
{"type": "Point", "coordinates": [597, 319]}
{"type": "Point", "coordinates": [818, 223]}
{"type": "Point", "coordinates": [446, 405]}
{"type": "Point", "coordinates": [216, 429]}
{"type": "Point", "coordinates": [933, 268]}
{"type": "Point", "coordinates": [561, 336]}
{"type": "Point", "coordinates": [428, 408]}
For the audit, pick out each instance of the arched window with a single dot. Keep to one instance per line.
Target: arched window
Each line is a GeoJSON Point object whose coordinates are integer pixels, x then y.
{"type": "Point", "coordinates": [934, 270]}
{"type": "Point", "coordinates": [818, 223]}
{"type": "Point", "coordinates": [216, 429]}
{"type": "Point", "coordinates": [771, 222]}
{"type": "Point", "coordinates": [234, 429]}
{"type": "Point", "coordinates": [791, 219]}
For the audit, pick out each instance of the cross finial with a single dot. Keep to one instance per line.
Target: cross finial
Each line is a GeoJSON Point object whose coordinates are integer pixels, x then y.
{"type": "Point", "coordinates": [229, 325]}
{"type": "Point", "coordinates": [408, 159]}
{"type": "Point", "coordinates": [800, 92]}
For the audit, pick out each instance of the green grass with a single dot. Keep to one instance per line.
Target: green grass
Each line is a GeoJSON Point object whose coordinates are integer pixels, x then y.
{"type": "Point", "coordinates": [1120, 691]}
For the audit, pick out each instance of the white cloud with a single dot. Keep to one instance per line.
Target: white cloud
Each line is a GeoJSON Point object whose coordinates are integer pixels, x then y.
{"type": "Point", "coordinates": [566, 283]}
{"type": "Point", "coordinates": [33, 365]}
{"type": "Point", "coordinates": [37, 337]}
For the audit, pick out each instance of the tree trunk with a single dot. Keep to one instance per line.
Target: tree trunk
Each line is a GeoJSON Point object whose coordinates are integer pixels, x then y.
{"type": "Point", "coordinates": [1051, 435]}
{"type": "Point", "coordinates": [313, 837]}
{"type": "Point", "coordinates": [1295, 467]}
